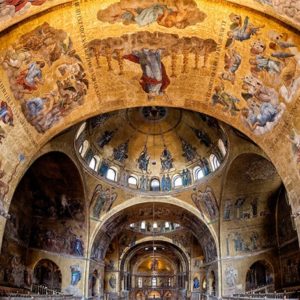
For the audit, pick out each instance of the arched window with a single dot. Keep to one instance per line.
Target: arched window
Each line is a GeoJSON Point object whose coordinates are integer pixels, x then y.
{"type": "Point", "coordinates": [47, 273]}
{"type": "Point", "coordinates": [177, 181]}
{"type": "Point", "coordinates": [132, 180]}
{"type": "Point", "coordinates": [111, 174]}
{"type": "Point", "coordinates": [198, 173]}
{"type": "Point", "coordinates": [89, 155]}
{"type": "Point", "coordinates": [214, 162]}
{"type": "Point", "coordinates": [143, 225]}
{"type": "Point", "coordinates": [93, 163]}
{"type": "Point", "coordinates": [103, 168]}
{"type": "Point", "coordinates": [84, 147]}
{"type": "Point", "coordinates": [80, 130]}
{"type": "Point", "coordinates": [98, 160]}
{"type": "Point", "coordinates": [140, 282]}
{"type": "Point", "coordinates": [80, 149]}
{"type": "Point", "coordinates": [154, 281]}
{"type": "Point", "coordinates": [155, 185]}
{"type": "Point", "coordinates": [222, 147]}
{"type": "Point", "coordinates": [259, 274]}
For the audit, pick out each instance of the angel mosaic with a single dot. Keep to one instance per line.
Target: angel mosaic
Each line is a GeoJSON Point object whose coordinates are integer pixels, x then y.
{"type": "Point", "coordinates": [232, 63]}
{"type": "Point", "coordinates": [264, 108]}
{"type": "Point", "coordinates": [206, 202]}
{"type": "Point", "coordinates": [166, 13]}
{"type": "Point", "coordinates": [228, 101]}
{"type": "Point", "coordinates": [241, 30]}
{"type": "Point", "coordinates": [102, 200]}
{"type": "Point", "coordinates": [42, 51]}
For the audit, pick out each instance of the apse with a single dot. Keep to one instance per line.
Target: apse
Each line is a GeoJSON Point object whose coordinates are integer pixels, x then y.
{"type": "Point", "coordinates": [142, 249]}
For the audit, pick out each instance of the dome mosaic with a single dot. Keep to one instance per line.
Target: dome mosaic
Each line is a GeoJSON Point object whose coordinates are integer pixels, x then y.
{"type": "Point", "coordinates": [152, 148]}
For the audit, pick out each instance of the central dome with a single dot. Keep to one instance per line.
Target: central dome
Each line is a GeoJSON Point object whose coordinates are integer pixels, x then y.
{"type": "Point", "coordinates": [146, 143]}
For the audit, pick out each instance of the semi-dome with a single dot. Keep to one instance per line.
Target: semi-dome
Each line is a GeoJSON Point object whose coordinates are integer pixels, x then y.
{"type": "Point", "coordinates": [151, 148]}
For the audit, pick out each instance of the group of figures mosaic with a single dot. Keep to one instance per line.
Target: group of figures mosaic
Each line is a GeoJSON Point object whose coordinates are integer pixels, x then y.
{"type": "Point", "coordinates": [60, 241]}
{"type": "Point", "coordinates": [45, 273]}
{"type": "Point", "coordinates": [255, 214]}
{"type": "Point", "coordinates": [248, 242]}
{"type": "Point", "coordinates": [243, 208]}
{"type": "Point", "coordinates": [169, 179]}
{"type": "Point", "coordinates": [272, 81]}
{"type": "Point", "coordinates": [60, 233]}
{"type": "Point", "coordinates": [138, 48]}
{"type": "Point", "coordinates": [120, 153]}
{"type": "Point", "coordinates": [45, 50]}
{"type": "Point", "coordinates": [179, 14]}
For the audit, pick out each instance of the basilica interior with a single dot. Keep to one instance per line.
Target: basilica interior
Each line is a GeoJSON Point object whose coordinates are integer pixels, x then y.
{"type": "Point", "coordinates": [149, 149]}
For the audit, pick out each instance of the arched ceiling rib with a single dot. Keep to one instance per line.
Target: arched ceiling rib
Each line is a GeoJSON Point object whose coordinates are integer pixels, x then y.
{"type": "Point", "coordinates": [122, 219]}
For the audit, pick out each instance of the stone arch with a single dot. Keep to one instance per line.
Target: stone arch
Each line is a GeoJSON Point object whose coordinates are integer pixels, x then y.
{"type": "Point", "coordinates": [107, 229]}
{"type": "Point", "coordinates": [212, 282]}
{"type": "Point", "coordinates": [159, 242]}
{"type": "Point", "coordinates": [158, 239]}
{"type": "Point", "coordinates": [140, 295]}
{"type": "Point", "coordinates": [159, 200]}
{"type": "Point", "coordinates": [259, 274]}
{"type": "Point", "coordinates": [47, 273]}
